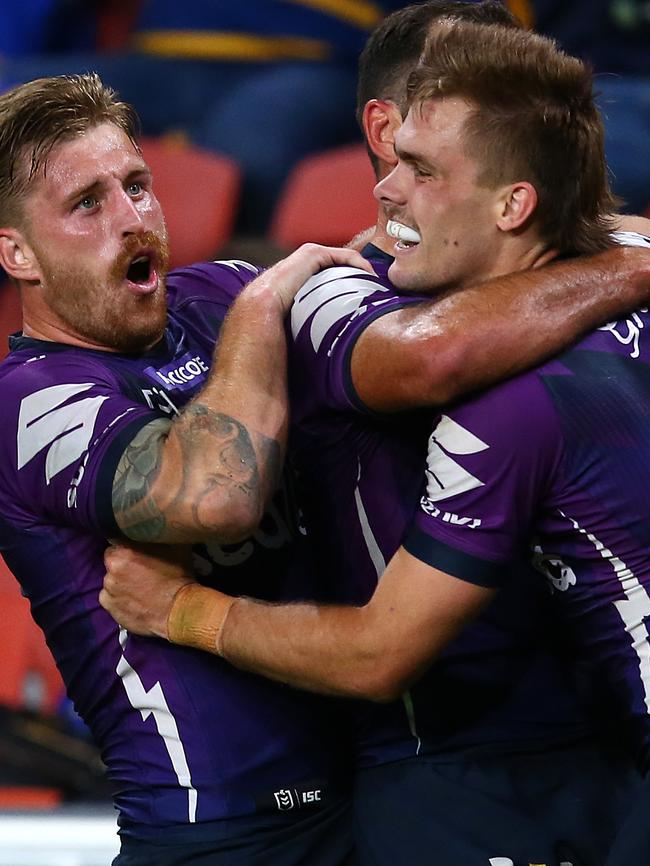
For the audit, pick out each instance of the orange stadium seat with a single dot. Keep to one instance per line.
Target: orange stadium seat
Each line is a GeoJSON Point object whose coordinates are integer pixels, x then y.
{"type": "Point", "coordinates": [327, 199]}
{"type": "Point", "coordinates": [198, 191]}
{"type": "Point", "coordinates": [10, 315]}
{"type": "Point", "coordinates": [28, 676]}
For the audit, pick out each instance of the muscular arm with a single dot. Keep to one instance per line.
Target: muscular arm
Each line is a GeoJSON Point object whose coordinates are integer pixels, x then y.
{"type": "Point", "coordinates": [373, 652]}
{"type": "Point", "coordinates": [432, 353]}
{"type": "Point", "coordinates": [209, 473]}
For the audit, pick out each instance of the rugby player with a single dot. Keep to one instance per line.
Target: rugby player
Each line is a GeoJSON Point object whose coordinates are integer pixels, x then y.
{"type": "Point", "coordinates": [117, 423]}
{"type": "Point", "coordinates": [365, 499]}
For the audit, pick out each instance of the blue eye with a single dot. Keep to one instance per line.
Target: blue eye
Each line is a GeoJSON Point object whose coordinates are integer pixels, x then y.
{"type": "Point", "coordinates": [134, 189]}
{"type": "Point", "coordinates": [88, 202]}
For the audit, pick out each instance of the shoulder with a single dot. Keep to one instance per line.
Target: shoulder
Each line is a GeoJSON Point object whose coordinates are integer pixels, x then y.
{"type": "Point", "coordinates": [513, 416]}
{"type": "Point", "coordinates": [212, 282]}
{"type": "Point", "coordinates": [339, 295]}
{"type": "Point", "coordinates": [33, 366]}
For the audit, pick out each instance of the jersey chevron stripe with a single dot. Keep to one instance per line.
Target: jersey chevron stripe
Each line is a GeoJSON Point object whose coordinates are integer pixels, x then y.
{"type": "Point", "coordinates": [328, 308]}
{"type": "Point", "coordinates": [43, 421]}
{"type": "Point", "coordinates": [445, 477]}
{"type": "Point", "coordinates": [230, 46]}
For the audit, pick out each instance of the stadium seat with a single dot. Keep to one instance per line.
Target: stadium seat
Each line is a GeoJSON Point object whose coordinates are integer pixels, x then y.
{"type": "Point", "coordinates": [327, 199]}
{"type": "Point", "coordinates": [198, 191]}
{"type": "Point", "coordinates": [10, 315]}
{"type": "Point", "coordinates": [28, 676]}
{"type": "Point", "coordinates": [115, 19]}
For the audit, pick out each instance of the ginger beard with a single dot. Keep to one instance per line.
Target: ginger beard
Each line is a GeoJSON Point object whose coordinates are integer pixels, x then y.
{"type": "Point", "coordinates": [110, 311]}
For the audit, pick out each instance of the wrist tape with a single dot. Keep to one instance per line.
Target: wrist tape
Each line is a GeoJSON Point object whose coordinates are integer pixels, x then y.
{"type": "Point", "coordinates": [197, 617]}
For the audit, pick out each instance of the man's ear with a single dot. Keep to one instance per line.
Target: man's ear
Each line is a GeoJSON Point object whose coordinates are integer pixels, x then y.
{"type": "Point", "coordinates": [17, 257]}
{"type": "Point", "coordinates": [381, 120]}
{"type": "Point", "coordinates": [517, 204]}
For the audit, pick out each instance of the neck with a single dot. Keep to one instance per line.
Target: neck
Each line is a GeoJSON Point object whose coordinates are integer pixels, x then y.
{"type": "Point", "coordinates": [519, 253]}
{"type": "Point", "coordinates": [40, 322]}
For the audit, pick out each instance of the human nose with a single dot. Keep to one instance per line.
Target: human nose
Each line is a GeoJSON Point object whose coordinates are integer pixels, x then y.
{"type": "Point", "coordinates": [390, 191]}
{"type": "Point", "coordinates": [129, 216]}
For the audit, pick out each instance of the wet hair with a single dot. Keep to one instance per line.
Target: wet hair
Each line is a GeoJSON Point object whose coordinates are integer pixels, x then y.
{"type": "Point", "coordinates": [395, 46]}
{"type": "Point", "coordinates": [37, 116]}
{"type": "Point", "coordinates": [533, 118]}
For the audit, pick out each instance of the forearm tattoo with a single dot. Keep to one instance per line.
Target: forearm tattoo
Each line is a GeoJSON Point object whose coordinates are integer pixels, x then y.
{"type": "Point", "coordinates": [217, 467]}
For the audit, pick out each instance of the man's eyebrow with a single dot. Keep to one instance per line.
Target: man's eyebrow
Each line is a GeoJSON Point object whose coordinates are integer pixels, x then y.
{"type": "Point", "coordinates": [78, 193]}
{"type": "Point", "coordinates": [81, 192]}
{"type": "Point", "coordinates": [411, 157]}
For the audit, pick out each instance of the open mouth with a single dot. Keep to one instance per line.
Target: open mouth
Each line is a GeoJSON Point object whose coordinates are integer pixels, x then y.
{"type": "Point", "coordinates": [406, 236]}
{"type": "Point", "coordinates": [139, 270]}
{"type": "Point", "coordinates": [141, 273]}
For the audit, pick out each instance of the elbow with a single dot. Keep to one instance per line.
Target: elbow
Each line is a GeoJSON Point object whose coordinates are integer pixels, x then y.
{"type": "Point", "coordinates": [236, 521]}
{"type": "Point", "coordinates": [442, 371]}
{"type": "Point", "coordinates": [226, 520]}
{"type": "Point", "coordinates": [382, 683]}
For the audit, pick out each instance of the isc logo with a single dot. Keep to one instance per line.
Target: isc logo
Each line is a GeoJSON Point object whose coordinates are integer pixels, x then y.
{"type": "Point", "coordinates": [311, 796]}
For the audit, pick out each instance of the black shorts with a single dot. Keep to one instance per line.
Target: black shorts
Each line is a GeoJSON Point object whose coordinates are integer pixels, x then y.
{"type": "Point", "coordinates": [562, 806]}
{"type": "Point", "coordinates": [321, 838]}
{"type": "Point", "coordinates": [632, 845]}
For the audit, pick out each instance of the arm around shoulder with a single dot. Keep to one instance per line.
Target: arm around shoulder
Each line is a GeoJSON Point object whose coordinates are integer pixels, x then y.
{"type": "Point", "coordinates": [437, 351]}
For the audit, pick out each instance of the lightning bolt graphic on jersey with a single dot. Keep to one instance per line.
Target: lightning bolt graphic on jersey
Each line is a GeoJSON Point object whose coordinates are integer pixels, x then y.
{"type": "Point", "coordinates": [153, 703]}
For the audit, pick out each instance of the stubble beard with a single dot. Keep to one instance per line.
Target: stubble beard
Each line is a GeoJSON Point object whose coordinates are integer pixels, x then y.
{"type": "Point", "coordinates": [103, 311]}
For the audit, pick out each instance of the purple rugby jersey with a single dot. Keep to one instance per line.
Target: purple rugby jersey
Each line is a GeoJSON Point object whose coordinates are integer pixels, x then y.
{"type": "Point", "coordinates": [555, 465]}
{"type": "Point", "coordinates": [361, 475]}
{"type": "Point", "coordinates": [186, 738]}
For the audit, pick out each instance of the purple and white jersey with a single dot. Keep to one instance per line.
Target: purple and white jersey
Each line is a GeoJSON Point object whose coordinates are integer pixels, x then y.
{"type": "Point", "coordinates": [555, 464]}
{"type": "Point", "coordinates": [186, 738]}
{"type": "Point", "coordinates": [361, 473]}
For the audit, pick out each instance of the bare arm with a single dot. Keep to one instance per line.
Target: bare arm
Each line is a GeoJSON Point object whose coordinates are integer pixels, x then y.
{"type": "Point", "coordinates": [210, 472]}
{"type": "Point", "coordinates": [434, 352]}
{"type": "Point", "coordinates": [373, 652]}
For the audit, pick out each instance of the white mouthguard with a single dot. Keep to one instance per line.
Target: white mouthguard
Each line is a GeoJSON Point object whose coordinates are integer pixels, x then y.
{"type": "Point", "coordinates": [402, 232]}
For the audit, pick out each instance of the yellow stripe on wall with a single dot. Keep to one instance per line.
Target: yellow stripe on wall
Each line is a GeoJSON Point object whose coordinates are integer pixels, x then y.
{"type": "Point", "coordinates": [362, 13]}
{"type": "Point", "coordinates": [523, 9]}
{"type": "Point", "coordinates": [229, 46]}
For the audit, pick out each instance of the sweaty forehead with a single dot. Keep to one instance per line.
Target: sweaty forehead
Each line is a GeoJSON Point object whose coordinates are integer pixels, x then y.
{"type": "Point", "coordinates": [98, 154]}
{"type": "Point", "coordinates": [434, 121]}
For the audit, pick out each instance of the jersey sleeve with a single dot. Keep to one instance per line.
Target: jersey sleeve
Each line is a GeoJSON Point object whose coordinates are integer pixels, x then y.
{"type": "Point", "coordinates": [66, 426]}
{"type": "Point", "coordinates": [328, 316]}
{"type": "Point", "coordinates": [209, 283]}
{"type": "Point", "coordinates": [631, 239]}
{"type": "Point", "coordinates": [491, 464]}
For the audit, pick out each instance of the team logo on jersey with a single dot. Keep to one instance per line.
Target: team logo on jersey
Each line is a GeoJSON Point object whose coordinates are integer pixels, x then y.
{"type": "Point", "coordinates": [560, 575]}
{"type": "Point", "coordinates": [285, 799]}
{"type": "Point", "coordinates": [292, 798]}
{"type": "Point", "coordinates": [47, 420]}
{"type": "Point", "coordinates": [180, 375]}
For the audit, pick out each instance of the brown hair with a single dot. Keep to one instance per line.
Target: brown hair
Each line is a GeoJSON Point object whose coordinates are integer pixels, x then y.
{"type": "Point", "coordinates": [36, 116]}
{"type": "Point", "coordinates": [394, 47]}
{"type": "Point", "coordinates": [534, 119]}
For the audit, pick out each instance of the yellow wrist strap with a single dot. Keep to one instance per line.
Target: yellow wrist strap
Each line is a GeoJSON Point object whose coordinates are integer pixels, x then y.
{"type": "Point", "coordinates": [197, 616]}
